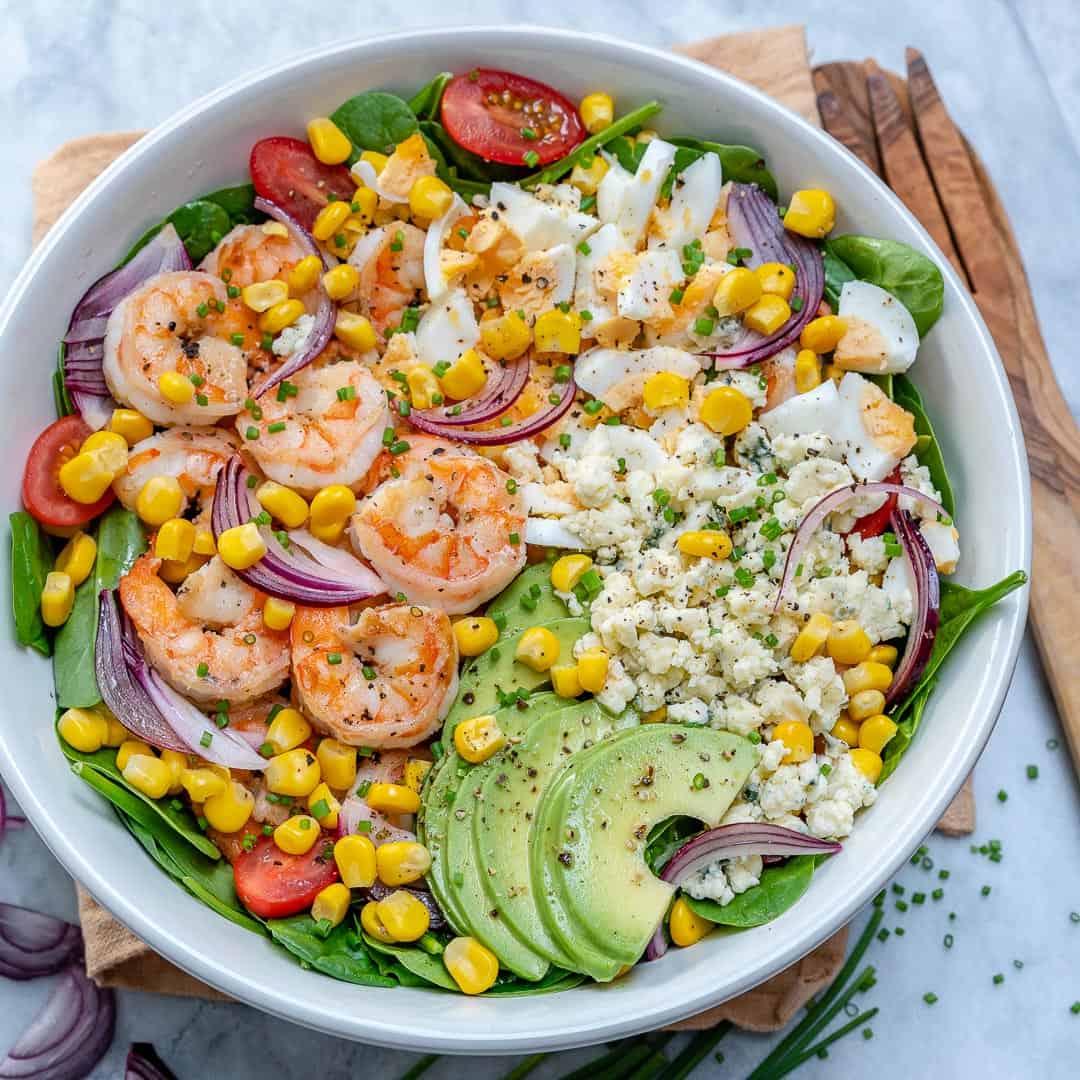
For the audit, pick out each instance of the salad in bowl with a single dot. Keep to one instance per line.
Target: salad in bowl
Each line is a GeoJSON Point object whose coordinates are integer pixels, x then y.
{"type": "Point", "coordinates": [498, 542]}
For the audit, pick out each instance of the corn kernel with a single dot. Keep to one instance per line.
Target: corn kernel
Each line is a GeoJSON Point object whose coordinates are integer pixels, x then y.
{"type": "Point", "coordinates": [558, 331]}
{"type": "Point", "coordinates": [848, 642]}
{"type": "Point", "coordinates": [655, 716]}
{"type": "Point", "coordinates": [332, 504]}
{"type": "Point", "coordinates": [174, 571]}
{"type": "Point", "coordinates": [131, 425]}
{"type": "Point", "coordinates": [332, 904]}
{"type": "Point", "coordinates": [204, 543]}
{"type": "Point", "coordinates": [867, 762]}
{"type": "Point", "coordinates": [298, 835]}
{"type": "Point", "coordinates": [85, 477]}
{"type": "Point", "coordinates": [111, 449]}
{"type": "Point", "coordinates": [393, 799]}
{"type": "Point", "coordinates": [845, 728]}
{"type": "Point", "coordinates": [160, 499]}
{"type": "Point", "coordinates": [883, 654]}
{"type": "Point", "coordinates": [328, 142]}
{"type": "Point", "coordinates": [324, 806]}
{"type": "Point", "coordinates": [597, 112]}
{"type": "Point", "coordinates": [304, 276]}
{"type": "Point", "coordinates": [767, 315]}
{"type": "Point", "coordinates": [592, 668]}
{"type": "Point", "coordinates": [330, 219]}
{"type": "Point", "coordinates": [76, 558]}
{"type": "Point", "coordinates": [588, 180]}
{"type": "Point", "coordinates": [278, 614]}
{"type": "Point", "coordinates": [404, 917]}
{"type": "Point", "coordinates": [288, 730]}
{"type": "Point", "coordinates": [241, 546]}
{"type": "Point", "coordinates": [505, 337]}
{"type": "Point", "coordinates": [687, 927]}
{"type": "Point", "coordinates": [475, 634]}
{"type": "Point", "coordinates": [726, 410]}
{"type": "Point", "coordinates": [416, 769]}
{"type": "Point", "coordinates": [117, 733]}
{"type": "Point", "coordinates": [202, 784]}
{"type": "Point", "coordinates": [875, 732]}
{"type": "Point", "coordinates": [177, 388]}
{"type": "Point", "coordinates": [478, 738]}
{"type": "Point", "coordinates": [328, 534]}
{"type": "Point", "coordinates": [372, 924]}
{"type": "Point", "coordinates": [567, 571]}
{"type": "Point", "coordinates": [355, 331]}
{"type": "Point", "coordinates": [565, 681]}
{"type": "Point", "coordinates": [807, 371]}
{"type": "Point", "coordinates": [355, 858]}
{"type": "Point", "coordinates": [811, 638]}
{"type": "Point", "coordinates": [128, 748]}
{"type": "Point", "coordinates": [177, 766]}
{"type": "Point", "coordinates": [823, 334]}
{"type": "Point", "coordinates": [537, 648]}
{"type": "Point", "coordinates": [423, 386]}
{"type": "Point", "coordinates": [472, 966]}
{"type": "Point", "coordinates": [175, 540]}
{"type": "Point", "coordinates": [429, 197]}
{"type": "Point", "coordinates": [84, 729]}
{"type": "Point", "coordinates": [376, 160]}
{"type": "Point", "coordinates": [737, 290]}
{"type": "Point", "coordinates": [282, 503]}
{"type": "Point", "coordinates": [705, 543]}
{"type": "Point", "coordinates": [295, 772]}
{"type": "Point", "coordinates": [810, 213]}
{"type": "Point", "coordinates": [867, 676]}
{"type": "Point", "coordinates": [401, 862]}
{"type": "Point", "coordinates": [666, 390]}
{"type": "Point", "coordinates": [465, 377]}
{"type": "Point", "coordinates": [341, 281]}
{"type": "Point", "coordinates": [776, 279]}
{"type": "Point", "coordinates": [274, 228]}
{"type": "Point", "coordinates": [57, 598]}
{"type": "Point", "coordinates": [866, 703]}
{"type": "Point", "coordinates": [275, 319]}
{"type": "Point", "coordinates": [368, 202]}
{"type": "Point", "coordinates": [337, 763]}
{"type": "Point", "coordinates": [798, 738]}
{"type": "Point", "coordinates": [148, 774]}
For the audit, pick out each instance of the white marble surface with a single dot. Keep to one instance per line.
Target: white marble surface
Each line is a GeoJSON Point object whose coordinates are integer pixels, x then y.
{"type": "Point", "coordinates": [1009, 74]}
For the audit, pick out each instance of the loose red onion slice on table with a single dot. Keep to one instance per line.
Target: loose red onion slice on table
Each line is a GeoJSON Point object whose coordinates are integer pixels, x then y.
{"type": "Point", "coordinates": [32, 944]}
{"type": "Point", "coordinates": [324, 316]}
{"type": "Point", "coordinates": [754, 224]}
{"type": "Point", "coordinates": [318, 576]}
{"type": "Point", "coordinates": [143, 1063]}
{"type": "Point", "coordinates": [498, 394]}
{"type": "Point", "coordinates": [732, 842]}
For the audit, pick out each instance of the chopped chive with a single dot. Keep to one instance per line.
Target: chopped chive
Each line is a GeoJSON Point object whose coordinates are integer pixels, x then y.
{"type": "Point", "coordinates": [237, 339]}
{"type": "Point", "coordinates": [275, 427]}
{"type": "Point", "coordinates": [205, 739]}
{"type": "Point", "coordinates": [1033, 772]}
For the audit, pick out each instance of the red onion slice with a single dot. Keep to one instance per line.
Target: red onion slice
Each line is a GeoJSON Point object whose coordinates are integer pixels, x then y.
{"type": "Point", "coordinates": [143, 1063]}
{"type": "Point", "coordinates": [324, 314]}
{"type": "Point", "coordinates": [355, 810]}
{"type": "Point", "coordinates": [924, 625]}
{"type": "Point", "coordinates": [500, 436]}
{"type": "Point", "coordinates": [320, 578]}
{"type": "Point", "coordinates": [498, 394]}
{"type": "Point", "coordinates": [829, 504]}
{"type": "Point", "coordinates": [69, 1036]}
{"type": "Point", "coordinates": [32, 944]}
{"type": "Point", "coordinates": [755, 224]}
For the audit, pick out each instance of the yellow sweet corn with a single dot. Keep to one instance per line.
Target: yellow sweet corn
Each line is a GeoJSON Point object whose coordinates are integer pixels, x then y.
{"type": "Point", "coordinates": [416, 769]}
{"type": "Point", "coordinates": [705, 543]}
{"type": "Point", "coordinates": [537, 648]}
{"type": "Point", "coordinates": [76, 558]}
{"type": "Point", "coordinates": [117, 732]}
{"type": "Point", "coordinates": [330, 219]}
{"type": "Point", "coordinates": [177, 764]}
{"type": "Point", "coordinates": [472, 966]}
{"type": "Point", "coordinates": [505, 337]}
{"type": "Point", "coordinates": [282, 503]}
{"type": "Point", "coordinates": [865, 703]}
{"type": "Point", "coordinates": [202, 784]}
{"type": "Point", "coordinates": [558, 331]}
{"type": "Point", "coordinates": [341, 281]}
{"type": "Point", "coordinates": [263, 295]}
{"type": "Point", "coordinates": [131, 425]}
{"type": "Point", "coordinates": [401, 862]}
{"type": "Point", "coordinates": [776, 279]}
{"type": "Point", "coordinates": [475, 634]}
{"type": "Point", "coordinates": [328, 142]}
{"type": "Point", "coordinates": [883, 654]}
{"type": "Point", "coordinates": [565, 681]}
{"type": "Point", "coordinates": [423, 386]}
{"type": "Point", "coordinates": [666, 390]}
{"type": "Point", "coordinates": [288, 730]}
{"type": "Point", "coordinates": [867, 762]}
{"type": "Point", "coordinates": [592, 668]}
{"type": "Point", "coordinates": [295, 772]}
{"type": "Point", "coordinates": [176, 388]}
{"type": "Point", "coordinates": [297, 835]}
{"type": "Point", "coordinates": [174, 571]}
{"type": "Point", "coordinates": [798, 738]}
{"type": "Point", "coordinates": [337, 763]}
{"type": "Point", "coordinates": [159, 499]}
{"type": "Point", "coordinates": [588, 180]}
{"type": "Point", "coordinates": [875, 732]}
{"type": "Point", "coordinates": [332, 505]}
{"type": "Point", "coordinates": [655, 716]}
{"type": "Point", "coordinates": [404, 917]}
{"type": "Point", "coordinates": [376, 160]}
{"type": "Point", "coordinates": [148, 774]}
{"type": "Point", "coordinates": [86, 477]}
{"type": "Point", "coordinates": [84, 729]}
{"type": "Point", "coordinates": [57, 598]}
{"type": "Point", "coordinates": [241, 546]}
{"type": "Point", "coordinates": [324, 807]}
{"type": "Point", "coordinates": [811, 638]}
{"type": "Point", "coordinates": [845, 728]}
{"type": "Point", "coordinates": [364, 204]}
{"type": "Point", "coordinates": [726, 410]}
{"type": "Point", "coordinates": [278, 614]}
{"type": "Point", "coordinates": [276, 318]}
{"type": "Point", "coordinates": [810, 213]}
{"type": "Point", "coordinates": [737, 290]}
{"type": "Point", "coordinates": [465, 377]}
{"type": "Point", "coordinates": [767, 315]}
{"type": "Point", "coordinates": [567, 571]}
{"type": "Point", "coordinates": [848, 642]}
{"type": "Point", "coordinates": [204, 543]}
{"type": "Point", "coordinates": [867, 675]}
{"type": "Point", "coordinates": [274, 228]}
{"type": "Point", "coordinates": [807, 371]}
{"type": "Point", "coordinates": [393, 799]}
{"type": "Point", "coordinates": [597, 112]}
{"type": "Point", "coordinates": [175, 540]}
{"type": "Point", "coordinates": [372, 924]}
{"type": "Point", "coordinates": [823, 334]}
{"type": "Point", "coordinates": [229, 811]}
{"type": "Point", "coordinates": [355, 858]}
{"type": "Point", "coordinates": [429, 197]}
{"type": "Point", "coordinates": [478, 738]}
{"type": "Point", "coordinates": [687, 927]}
{"type": "Point", "coordinates": [128, 748]}
{"type": "Point", "coordinates": [304, 276]}
{"type": "Point", "coordinates": [332, 904]}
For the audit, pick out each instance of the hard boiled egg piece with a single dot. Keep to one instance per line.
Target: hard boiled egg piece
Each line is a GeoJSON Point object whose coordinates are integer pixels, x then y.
{"type": "Point", "coordinates": [627, 199]}
{"type": "Point", "coordinates": [447, 329]}
{"type": "Point", "coordinates": [693, 203]}
{"type": "Point", "coordinates": [881, 336]}
{"type": "Point", "coordinates": [617, 376]}
{"type": "Point", "coordinates": [540, 223]}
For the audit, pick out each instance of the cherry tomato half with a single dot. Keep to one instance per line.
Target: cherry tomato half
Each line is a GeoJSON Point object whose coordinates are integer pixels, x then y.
{"type": "Point", "coordinates": [506, 118]}
{"type": "Point", "coordinates": [286, 172]}
{"type": "Point", "coordinates": [41, 491]}
{"type": "Point", "coordinates": [877, 521]}
{"type": "Point", "coordinates": [273, 884]}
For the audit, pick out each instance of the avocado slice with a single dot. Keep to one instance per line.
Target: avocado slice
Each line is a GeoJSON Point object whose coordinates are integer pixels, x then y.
{"type": "Point", "coordinates": [496, 670]}
{"type": "Point", "coordinates": [592, 886]}
{"type": "Point", "coordinates": [509, 798]}
{"type": "Point", "coordinates": [529, 600]}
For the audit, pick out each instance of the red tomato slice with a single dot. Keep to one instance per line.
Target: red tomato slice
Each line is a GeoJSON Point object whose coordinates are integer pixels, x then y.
{"type": "Point", "coordinates": [273, 884]}
{"type": "Point", "coordinates": [286, 172]}
{"type": "Point", "coordinates": [876, 522]}
{"type": "Point", "coordinates": [486, 112]}
{"type": "Point", "coordinates": [41, 491]}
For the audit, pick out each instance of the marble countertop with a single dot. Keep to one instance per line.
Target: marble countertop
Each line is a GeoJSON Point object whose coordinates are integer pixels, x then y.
{"type": "Point", "coordinates": [1008, 73]}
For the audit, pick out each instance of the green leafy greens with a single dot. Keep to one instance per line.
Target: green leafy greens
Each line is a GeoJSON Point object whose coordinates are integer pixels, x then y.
{"type": "Point", "coordinates": [31, 561]}
{"type": "Point", "coordinates": [779, 888]}
{"type": "Point", "coordinates": [929, 453]}
{"type": "Point", "coordinates": [376, 121]}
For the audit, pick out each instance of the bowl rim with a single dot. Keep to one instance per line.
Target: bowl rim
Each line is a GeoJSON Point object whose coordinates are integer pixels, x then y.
{"type": "Point", "coordinates": [647, 1015]}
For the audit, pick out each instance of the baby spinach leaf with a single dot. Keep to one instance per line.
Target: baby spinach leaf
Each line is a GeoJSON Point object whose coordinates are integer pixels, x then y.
{"type": "Point", "coordinates": [929, 453]}
{"type": "Point", "coordinates": [375, 121]}
{"type": "Point", "coordinates": [837, 273]}
{"type": "Point", "coordinates": [467, 173]}
{"type": "Point", "coordinates": [61, 397]}
{"type": "Point", "coordinates": [426, 101]}
{"type": "Point", "coordinates": [31, 561]}
{"type": "Point", "coordinates": [779, 888]}
{"type": "Point", "coordinates": [896, 747]}
{"type": "Point", "coordinates": [901, 270]}
{"type": "Point", "coordinates": [238, 202]}
{"type": "Point", "coordinates": [666, 838]}
{"type": "Point", "coordinates": [742, 164]}
{"type": "Point", "coordinates": [554, 981]}
{"type": "Point", "coordinates": [341, 954]}
{"type": "Point", "coordinates": [628, 153]}
{"type": "Point", "coordinates": [427, 969]}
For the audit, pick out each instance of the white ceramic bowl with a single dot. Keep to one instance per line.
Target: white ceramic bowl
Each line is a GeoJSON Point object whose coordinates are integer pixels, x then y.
{"type": "Point", "coordinates": [206, 146]}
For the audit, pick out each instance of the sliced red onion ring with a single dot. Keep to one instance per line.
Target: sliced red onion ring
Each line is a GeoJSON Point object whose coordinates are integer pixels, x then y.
{"type": "Point", "coordinates": [927, 600]}
{"type": "Point", "coordinates": [321, 577]}
{"type": "Point", "coordinates": [829, 504]}
{"type": "Point", "coordinates": [324, 314]}
{"type": "Point", "coordinates": [500, 436]}
{"type": "Point", "coordinates": [32, 944]}
{"type": "Point", "coordinates": [755, 224]}
{"type": "Point", "coordinates": [355, 810]}
{"type": "Point", "coordinates": [83, 342]}
{"type": "Point", "coordinates": [143, 1063]}
{"type": "Point", "coordinates": [498, 394]}
{"type": "Point", "coordinates": [732, 842]}
{"type": "Point", "coordinates": [69, 1036]}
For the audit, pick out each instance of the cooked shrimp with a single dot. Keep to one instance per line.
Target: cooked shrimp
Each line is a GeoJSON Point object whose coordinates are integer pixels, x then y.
{"type": "Point", "coordinates": [446, 532]}
{"type": "Point", "coordinates": [213, 624]}
{"type": "Point", "coordinates": [177, 322]}
{"type": "Point", "coordinates": [385, 680]}
{"type": "Point", "coordinates": [194, 456]}
{"type": "Point", "coordinates": [391, 264]}
{"type": "Point", "coordinates": [327, 436]}
{"type": "Point", "coordinates": [248, 254]}
{"type": "Point", "coordinates": [383, 767]}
